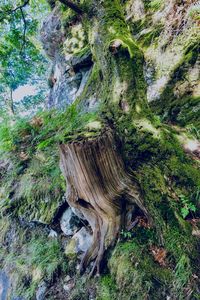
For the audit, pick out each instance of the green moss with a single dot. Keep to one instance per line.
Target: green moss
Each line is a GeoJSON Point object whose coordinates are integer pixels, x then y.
{"type": "Point", "coordinates": [151, 36]}
{"type": "Point", "coordinates": [85, 50]}
{"type": "Point", "coordinates": [44, 258]}
{"type": "Point", "coordinates": [4, 227]}
{"type": "Point", "coordinates": [33, 188]}
{"type": "Point", "coordinates": [156, 4]}
{"type": "Point", "coordinates": [92, 87]}
{"type": "Point", "coordinates": [31, 257]}
{"type": "Point", "coordinates": [106, 289]}
{"type": "Point", "coordinates": [145, 278]}
{"type": "Point", "coordinates": [137, 26]}
{"type": "Point", "coordinates": [120, 60]}
{"type": "Point", "coordinates": [182, 110]}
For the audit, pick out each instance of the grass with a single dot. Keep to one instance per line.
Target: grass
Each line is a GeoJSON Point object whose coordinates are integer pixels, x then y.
{"type": "Point", "coordinates": [33, 258]}
{"type": "Point", "coordinates": [4, 226]}
{"type": "Point", "coordinates": [34, 186]}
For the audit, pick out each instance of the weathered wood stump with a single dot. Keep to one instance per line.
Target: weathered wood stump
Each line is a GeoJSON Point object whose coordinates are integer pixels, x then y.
{"type": "Point", "coordinates": [100, 188]}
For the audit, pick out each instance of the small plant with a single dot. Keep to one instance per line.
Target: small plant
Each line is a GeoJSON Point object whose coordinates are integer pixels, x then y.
{"type": "Point", "coordinates": [182, 273]}
{"type": "Point", "coordinates": [40, 258]}
{"type": "Point", "coordinates": [194, 131]}
{"type": "Point", "coordinates": [126, 234]}
{"type": "Point", "coordinates": [187, 206]}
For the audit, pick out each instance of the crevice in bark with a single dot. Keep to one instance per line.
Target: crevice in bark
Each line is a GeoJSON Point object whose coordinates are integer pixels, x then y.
{"type": "Point", "coordinates": [100, 188]}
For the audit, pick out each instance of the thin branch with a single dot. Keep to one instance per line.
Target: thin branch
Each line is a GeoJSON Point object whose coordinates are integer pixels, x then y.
{"type": "Point", "coordinates": [18, 7]}
{"type": "Point", "coordinates": [11, 11]}
{"type": "Point", "coordinates": [24, 33]}
{"type": "Point", "coordinates": [11, 102]}
{"type": "Point", "coordinates": [73, 6]}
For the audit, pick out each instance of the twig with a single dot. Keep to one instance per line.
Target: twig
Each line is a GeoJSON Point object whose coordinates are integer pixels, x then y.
{"type": "Point", "coordinates": [8, 12]}
{"type": "Point", "coordinates": [18, 7]}
{"type": "Point", "coordinates": [24, 33]}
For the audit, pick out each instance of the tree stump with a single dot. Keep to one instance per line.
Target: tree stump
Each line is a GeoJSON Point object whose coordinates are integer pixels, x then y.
{"type": "Point", "coordinates": [100, 188]}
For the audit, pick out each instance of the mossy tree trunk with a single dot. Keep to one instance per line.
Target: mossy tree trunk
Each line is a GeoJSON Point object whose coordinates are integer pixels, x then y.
{"type": "Point", "coordinates": [94, 170]}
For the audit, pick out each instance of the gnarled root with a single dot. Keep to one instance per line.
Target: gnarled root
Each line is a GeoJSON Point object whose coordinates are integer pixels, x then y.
{"type": "Point", "coordinates": [97, 185]}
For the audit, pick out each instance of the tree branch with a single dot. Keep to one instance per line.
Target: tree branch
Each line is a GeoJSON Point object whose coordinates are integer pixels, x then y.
{"type": "Point", "coordinates": [9, 12]}
{"type": "Point", "coordinates": [73, 6]}
{"type": "Point", "coordinates": [24, 33]}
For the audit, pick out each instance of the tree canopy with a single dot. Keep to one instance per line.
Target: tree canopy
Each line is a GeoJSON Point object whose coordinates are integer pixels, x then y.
{"type": "Point", "coordinates": [22, 61]}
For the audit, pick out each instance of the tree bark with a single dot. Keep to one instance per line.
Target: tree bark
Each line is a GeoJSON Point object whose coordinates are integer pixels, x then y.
{"type": "Point", "coordinates": [99, 186]}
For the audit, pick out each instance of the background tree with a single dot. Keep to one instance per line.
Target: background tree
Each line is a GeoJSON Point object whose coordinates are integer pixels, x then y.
{"type": "Point", "coordinates": [22, 61]}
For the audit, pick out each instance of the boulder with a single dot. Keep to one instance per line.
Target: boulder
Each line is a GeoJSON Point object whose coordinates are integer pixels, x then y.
{"type": "Point", "coordinates": [52, 234]}
{"type": "Point", "coordinates": [4, 285]}
{"type": "Point", "coordinates": [80, 242]}
{"type": "Point", "coordinates": [69, 222]}
{"type": "Point", "coordinates": [40, 294]}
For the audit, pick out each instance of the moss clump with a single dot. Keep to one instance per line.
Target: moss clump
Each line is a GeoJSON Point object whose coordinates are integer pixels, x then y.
{"type": "Point", "coordinates": [136, 275]}
{"type": "Point", "coordinates": [106, 288]}
{"type": "Point", "coordinates": [121, 62]}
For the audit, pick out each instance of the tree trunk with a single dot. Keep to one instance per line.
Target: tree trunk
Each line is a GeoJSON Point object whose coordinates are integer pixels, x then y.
{"type": "Point", "coordinates": [97, 182]}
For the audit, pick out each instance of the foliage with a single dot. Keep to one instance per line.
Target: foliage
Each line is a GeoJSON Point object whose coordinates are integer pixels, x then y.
{"type": "Point", "coordinates": [21, 59]}
{"type": "Point", "coordinates": [45, 255]}
{"type": "Point", "coordinates": [126, 234]}
{"type": "Point", "coordinates": [187, 206]}
{"type": "Point", "coordinates": [194, 131]}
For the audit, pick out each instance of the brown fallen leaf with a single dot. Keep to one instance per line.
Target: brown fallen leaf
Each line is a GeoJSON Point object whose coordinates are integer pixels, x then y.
{"type": "Point", "coordinates": [143, 222]}
{"type": "Point", "coordinates": [37, 122]}
{"type": "Point", "coordinates": [159, 255]}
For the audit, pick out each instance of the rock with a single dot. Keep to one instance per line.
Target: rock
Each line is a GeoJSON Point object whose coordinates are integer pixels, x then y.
{"type": "Point", "coordinates": [67, 278]}
{"type": "Point", "coordinates": [70, 250]}
{"type": "Point", "coordinates": [69, 222]}
{"type": "Point", "coordinates": [78, 213]}
{"type": "Point", "coordinates": [69, 283]}
{"type": "Point", "coordinates": [83, 239]}
{"type": "Point", "coordinates": [69, 73]}
{"type": "Point", "coordinates": [51, 33]}
{"type": "Point", "coordinates": [4, 285]}
{"type": "Point", "coordinates": [40, 294]}
{"type": "Point", "coordinates": [68, 287]}
{"type": "Point", "coordinates": [80, 242]}
{"type": "Point", "coordinates": [52, 234]}
{"type": "Point", "coordinates": [196, 232]}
